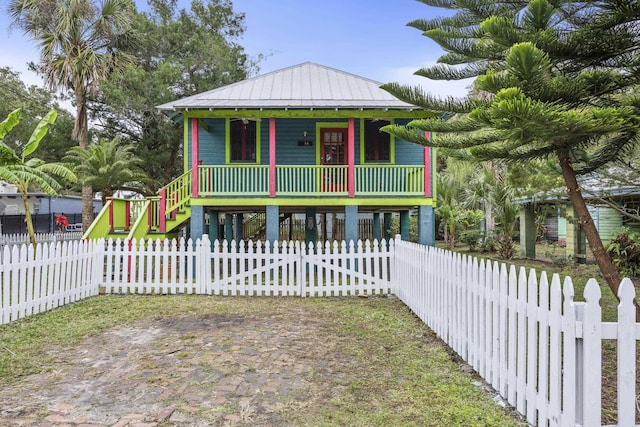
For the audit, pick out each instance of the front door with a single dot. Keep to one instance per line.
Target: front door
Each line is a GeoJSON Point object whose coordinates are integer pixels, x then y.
{"type": "Point", "coordinates": [333, 155]}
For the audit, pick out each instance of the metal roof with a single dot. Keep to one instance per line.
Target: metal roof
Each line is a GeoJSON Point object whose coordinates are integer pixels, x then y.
{"type": "Point", "coordinates": [306, 85]}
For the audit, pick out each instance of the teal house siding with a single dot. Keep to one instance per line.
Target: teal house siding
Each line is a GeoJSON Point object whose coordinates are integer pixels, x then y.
{"type": "Point", "coordinates": [408, 153]}
{"type": "Point", "coordinates": [288, 133]}
{"type": "Point", "coordinates": [608, 221]}
{"type": "Point", "coordinates": [212, 142]}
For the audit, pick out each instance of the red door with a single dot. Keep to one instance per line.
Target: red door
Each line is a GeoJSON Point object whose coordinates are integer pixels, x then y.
{"type": "Point", "coordinates": [333, 152]}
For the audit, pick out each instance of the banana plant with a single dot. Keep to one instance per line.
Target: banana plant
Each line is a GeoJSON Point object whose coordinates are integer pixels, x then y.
{"type": "Point", "coordinates": [26, 172]}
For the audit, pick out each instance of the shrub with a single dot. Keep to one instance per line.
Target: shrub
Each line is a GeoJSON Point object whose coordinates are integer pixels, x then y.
{"type": "Point", "coordinates": [471, 238]}
{"type": "Point", "coordinates": [489, 244]}
{"type": "Point", "coordinates": [624, 250]}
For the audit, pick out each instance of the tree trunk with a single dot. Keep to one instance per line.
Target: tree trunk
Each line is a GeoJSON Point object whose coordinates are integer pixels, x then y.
{"type": "Point", "coordinates": [607, 267]}
{"type": "Point", "coordinates": [106, 194]}
{"type": "Point", "coordinates": [81, 134]}
{"type": "Point", "coordinates": [28, 220]}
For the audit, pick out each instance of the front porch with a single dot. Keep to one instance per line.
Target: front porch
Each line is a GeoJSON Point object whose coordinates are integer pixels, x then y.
{"type": "Point", "coordinates": [311, 181]}
{"type": "Point", "coordinates": [274, 190]}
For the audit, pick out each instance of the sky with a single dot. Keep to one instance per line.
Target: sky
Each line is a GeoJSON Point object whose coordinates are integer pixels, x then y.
{"type": "Point", "coordinates": [368, 38]}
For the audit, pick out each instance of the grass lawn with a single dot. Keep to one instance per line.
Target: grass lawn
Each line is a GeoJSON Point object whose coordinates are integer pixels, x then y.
{"type": "Point", "coordinates": [385, 368]}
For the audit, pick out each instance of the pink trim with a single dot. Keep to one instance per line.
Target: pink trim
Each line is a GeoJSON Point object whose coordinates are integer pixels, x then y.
{"type": "Point", "coordinates": [351, 169]}
{"type": "Point", "coordinates": [195, 154]}
{"type": "Point", "coordinates": [272, 157]}
{"type": "Point", "coordinates": [163, 210]}
{"type": "Point", "coordinates": [427, 167]}
{"type": "Point", "coordinates": [127, 210]}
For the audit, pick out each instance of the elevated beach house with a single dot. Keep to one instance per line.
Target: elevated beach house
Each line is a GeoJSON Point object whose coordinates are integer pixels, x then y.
{"type": "Point", "coordinates": [303, 140]}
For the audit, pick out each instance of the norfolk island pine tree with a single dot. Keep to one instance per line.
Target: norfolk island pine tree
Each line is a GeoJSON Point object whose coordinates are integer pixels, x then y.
{"type": "Point", "coordinates": [554, 81]}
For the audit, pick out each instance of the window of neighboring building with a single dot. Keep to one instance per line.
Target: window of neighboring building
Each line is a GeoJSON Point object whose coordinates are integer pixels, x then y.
{"type": "Point", "coordinates": [377, 144]}
{"type": "Point", "coordinates": [242, 138]}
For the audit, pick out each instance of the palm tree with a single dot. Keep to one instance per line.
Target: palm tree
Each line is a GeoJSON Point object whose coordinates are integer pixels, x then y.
{"type": "Point", "coordinates": [25, 173]}
{"type": "Point", "coordinates": [81, 46]}
{"type": "Point", "coordinates": [108, 166]}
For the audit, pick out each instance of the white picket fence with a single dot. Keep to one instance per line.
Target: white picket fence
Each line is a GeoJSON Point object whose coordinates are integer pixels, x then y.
{"type": "Point", "coordinates": [59, 236]}
{"type": "Point", "coordinates": [248, 268]}
{"type": "Point", "coordinates": [540, 351]}
{"type": "Point", "coordinates": [59, 273]}
{"type": "Point", "coordinates": [528, 338]}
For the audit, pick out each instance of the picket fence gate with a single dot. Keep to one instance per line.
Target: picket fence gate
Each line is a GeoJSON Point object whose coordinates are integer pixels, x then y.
{"type": "Point", "coordinates": [540, 351]}
{"type": "Point", "coordinates": [528, 338]}
{"type": "Point", "coordinates": [248, 268]}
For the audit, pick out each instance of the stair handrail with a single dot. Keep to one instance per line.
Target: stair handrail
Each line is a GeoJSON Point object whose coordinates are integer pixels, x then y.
{"type": "Point", "coordinates": [141, 217]}
{"type": "Point", "coordinates": [177, 192]}
{"type": "Point", "coordinates": [101, 225]}
{"type": "Point", "coordinates": [254, 225]}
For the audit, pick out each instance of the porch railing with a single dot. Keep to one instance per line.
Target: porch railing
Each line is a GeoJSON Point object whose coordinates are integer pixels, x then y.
{"type": "Point", "coordinates": [250, 180]}
{"type": "Point", "coordinates": [310, 180]}
{"type": "Point", "coordinates": [387, 179]}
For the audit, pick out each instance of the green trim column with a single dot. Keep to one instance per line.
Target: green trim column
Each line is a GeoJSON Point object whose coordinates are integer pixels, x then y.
{"type": "Point", "coordinates": [273, 224]}
{"type": "Point", "coordinates": [214, 219]}
{"type": "Point", "coordinates": [562, 225]}
{"type": "Point", "coordinates": [528, 231]}
{"type": "Point", "coordinates": [387, 226]}
{"type": "Point", "coordinates": [376, 226]}
{"type": "Point", "coordinates": [351, 223]}
{"type": "Point", "coordinates": [197, 222]}
{"type": "Point", "coordinates": [310, 226]}
{"type": "Point", "coordinates": [426, 226]}
{"type": "Point", "coordinates": [405, 217]}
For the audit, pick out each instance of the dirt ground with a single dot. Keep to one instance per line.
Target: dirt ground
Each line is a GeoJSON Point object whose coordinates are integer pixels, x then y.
{"type": "Point", "coordinates": [193, 370]}
{"type": "Point", "coordinates": [190, 370]}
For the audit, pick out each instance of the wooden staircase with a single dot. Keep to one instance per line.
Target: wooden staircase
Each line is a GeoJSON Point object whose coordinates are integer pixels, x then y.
{"type": "Point", "coordinates": [255, 227]}
{"type": "Point", "coordinates": [161, 216]}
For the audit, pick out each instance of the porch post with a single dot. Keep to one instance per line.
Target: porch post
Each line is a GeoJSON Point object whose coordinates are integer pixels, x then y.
{"type": "Point", "coordinates": [239, 227]}
{"type": "Point", "coordinates": [387, 225]}
{"type": "Point", "coordinates": [376, 226]}
{"type": "Point", "coordinates": [351, 170]}
{"type": "Point", "coordinates": [272, 157]}
{"type": "Point", "coordinates": [195, 154]}
{"type": "Point", "coordinates": [273, 223]}
{"type": "Point", "coordinates": [351, 224]}
{"type": "Point", "coordinates": [310, 228]}
{"type": "Point", "coordinates": [427, 167]}
{"type": "Point", "coordinates": [228, 227]}
{"type": "Point", "coordinates": [404, 224]}
{"type": "Point", "coordinates": [213, 225]}
{"type": "Point", "coordinates": [527, 231]}
{"type": "Point", "coordinates": [426, 226]}
{"type": "Point", "coordinates": [197, 222]}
